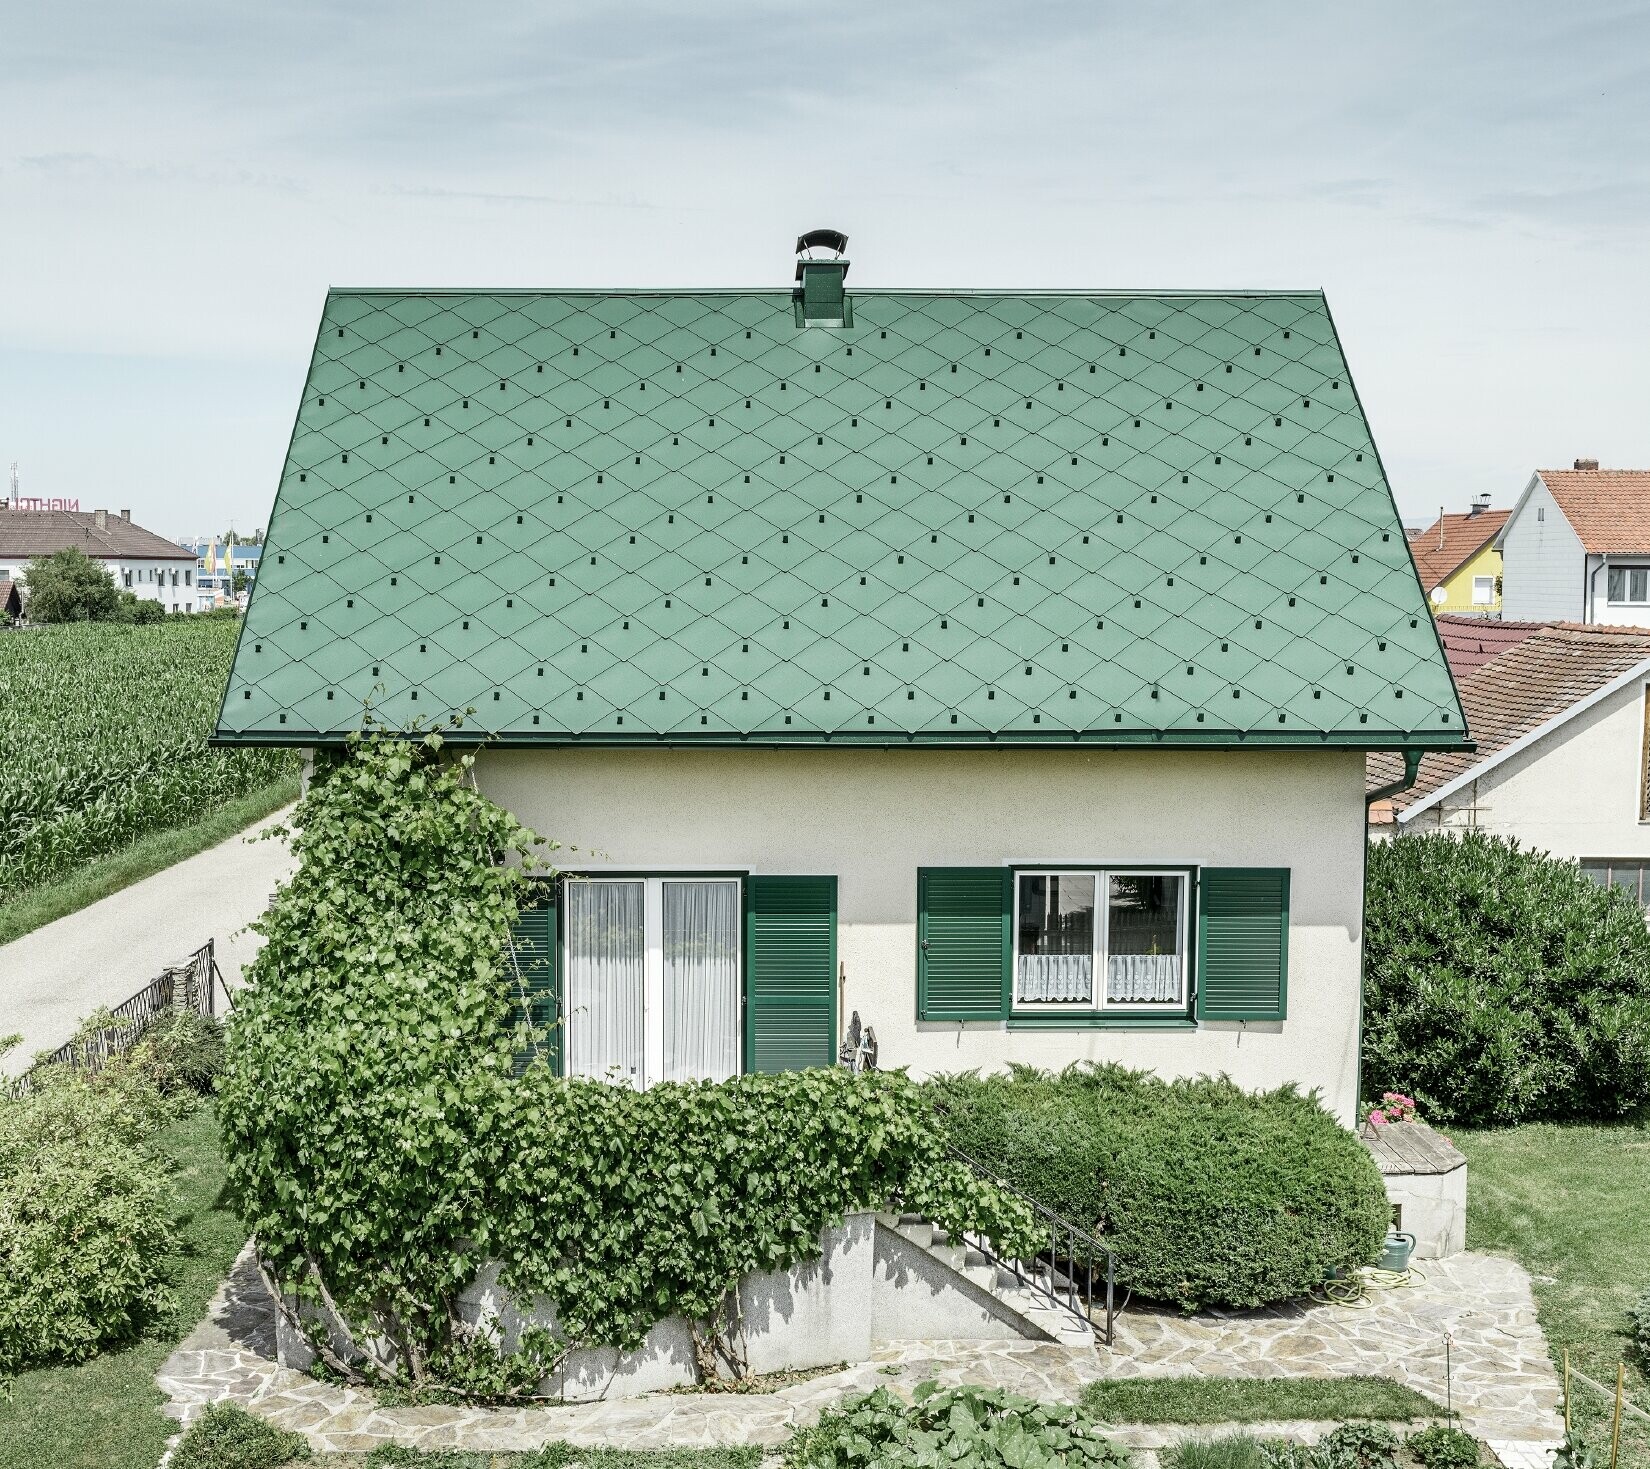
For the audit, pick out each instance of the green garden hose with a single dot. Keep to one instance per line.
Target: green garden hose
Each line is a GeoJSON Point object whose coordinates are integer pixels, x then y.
{"type": "Point", "coordinates": [1357, 1290]}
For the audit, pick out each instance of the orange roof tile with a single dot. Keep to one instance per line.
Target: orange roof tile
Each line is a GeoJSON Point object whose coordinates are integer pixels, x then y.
{"type": "Point", "coordinates": [1609, 509]}
{"type": "Point", "coordinates": [1470, 642]}
{"type": "Point", "coordinates": [1514, 693]}
{"type": "Point", "coordinates": [1451, 541]}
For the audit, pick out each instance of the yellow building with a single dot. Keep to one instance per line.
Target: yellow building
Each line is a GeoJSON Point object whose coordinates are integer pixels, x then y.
{"type": "Point", "coordinates": [1459, 568]}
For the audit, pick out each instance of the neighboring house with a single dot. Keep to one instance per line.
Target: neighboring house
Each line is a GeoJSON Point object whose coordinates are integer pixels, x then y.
{"type": "Point", "coordinates": [11, 599]}
{"type": "Point", "coordinates": [1560, 718]}
{"type": "Point", "coordinates": [139, 561]}
{"type": "Point", "coordinates": [999, 666]}
{"type": "Point", "coordinates": [1576, 547]}
{"type": "Point", "coordinates": [1456, 559]}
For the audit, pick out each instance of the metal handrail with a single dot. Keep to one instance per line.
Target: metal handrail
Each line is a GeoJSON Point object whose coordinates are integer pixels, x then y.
{"type": "Point", "coordinates": [1071, 1250]}
{"type": "Point", "coordinates": [191, 985]}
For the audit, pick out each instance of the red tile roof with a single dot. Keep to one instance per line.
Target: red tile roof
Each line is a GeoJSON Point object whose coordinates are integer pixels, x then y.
{"type": "Point", "coordinates": [1520, 689]}
{"type": "Point", "coordinates": [1451, 541]}
{"type": "Point", "coordinates": [1470, 642]}
{"type": "Point", "coordinates": [30, 533]}
{"type": "Point", "coordinates": [1609, 509]}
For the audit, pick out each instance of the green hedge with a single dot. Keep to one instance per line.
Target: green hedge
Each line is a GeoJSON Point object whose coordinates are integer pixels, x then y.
{"type": "Point", "coordinates": [1206, 1194]}
{"type": "Point", "coordinates": [1502, 985]}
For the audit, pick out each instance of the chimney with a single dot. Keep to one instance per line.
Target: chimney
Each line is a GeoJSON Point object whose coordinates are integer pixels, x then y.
{"type": "Point", "coordinates": [1587, 464]}
{"type": "Point", "coordinates": [100, 518]}
{"type": "Point", "coordinates": [1480, 505]}
{"type": "Point", "coordinates": [819, 296]}
{"type": "Point", "coordinates": [125, 514]}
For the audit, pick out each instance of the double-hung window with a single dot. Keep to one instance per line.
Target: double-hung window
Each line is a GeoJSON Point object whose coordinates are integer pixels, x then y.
{"type": "Point", "coordinates": [1483, 591]}
{"type": "Point", "coordinates": [1100, 939]}
{"type": "Point", "coordinates": [1628, 585]}
{"type": "Point", "coordinates": [653, 983]}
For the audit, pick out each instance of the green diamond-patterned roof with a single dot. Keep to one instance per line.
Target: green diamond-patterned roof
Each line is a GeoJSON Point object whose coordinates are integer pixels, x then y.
{"type": "Point", "coordinates": [620, 517]}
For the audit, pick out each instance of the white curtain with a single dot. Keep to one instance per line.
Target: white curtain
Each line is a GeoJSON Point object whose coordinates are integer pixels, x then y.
{"type": "Point", "coordinates": [1138, 978]}
{"type": "Point", "coordinates": [701, 953]}
{"type": "Point", "coordinates": [606, 966]}
{"type": "Point", "coordinates": [1068, 977]}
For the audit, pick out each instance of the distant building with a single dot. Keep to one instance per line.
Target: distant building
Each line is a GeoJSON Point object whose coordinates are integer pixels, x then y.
{"type": "Point", "coordinates": [1459, 567]}
{"type": "Point", "coordinates": [141, 562]}
{"type": "Point", "coordinates": [1576, 547]}
{"type": "Point", "coordinates": [215, 569]}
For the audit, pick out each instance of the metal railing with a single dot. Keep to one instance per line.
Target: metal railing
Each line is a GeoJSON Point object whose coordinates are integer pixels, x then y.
{"type": "Point", "coordinates": [190, 985]}
{"type": "Point", "coordinates": [1073, 1271]}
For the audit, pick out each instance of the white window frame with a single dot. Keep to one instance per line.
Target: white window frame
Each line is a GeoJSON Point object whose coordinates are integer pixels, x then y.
{"type": "Point", "coordinates": [1487, 584]}
{"type": "Point", "coordinates": [1627, 568]}
{"type": "Point", "coordinates": [653, 965]}
{"type": "Point", "coordinates": [1099, 1004]}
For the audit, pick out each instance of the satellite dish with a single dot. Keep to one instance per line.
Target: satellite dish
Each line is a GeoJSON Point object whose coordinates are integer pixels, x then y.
{"type": "Point", "coordinates": [1439, 596]}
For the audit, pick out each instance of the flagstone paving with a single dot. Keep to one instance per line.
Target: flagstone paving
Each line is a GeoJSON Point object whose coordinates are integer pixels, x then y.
{"type": "Point", "coordinates": [1499, 1376]}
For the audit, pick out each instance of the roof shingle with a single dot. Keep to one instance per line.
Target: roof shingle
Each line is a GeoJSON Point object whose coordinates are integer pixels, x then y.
{"type": "Point", "coordinates": [1451, 541]}
{"type": "Point", "coordinates": [1609, 509]}
{"type": "Point", "coordinates": [679, 517]}
{"type": "Point", "coordinates": [31, 533]}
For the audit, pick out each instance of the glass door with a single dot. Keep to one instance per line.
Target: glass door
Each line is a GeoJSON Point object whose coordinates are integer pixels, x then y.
{"type": "Point", "coordinates": [653, 982]}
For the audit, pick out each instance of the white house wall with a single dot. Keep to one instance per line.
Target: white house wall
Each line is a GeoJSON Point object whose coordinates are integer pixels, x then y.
{"type": "Point", "coordinates": [1542, 563]}
{"type": "Point", "coordinates": [150, 580]}
{"type": "Point", "coordinates": [1574, 793]}
{"type": "Point", "coordinates": [873, 817]}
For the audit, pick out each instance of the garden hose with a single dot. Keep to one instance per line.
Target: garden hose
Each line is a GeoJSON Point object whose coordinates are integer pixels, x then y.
{"type": "Point", "coordinates": [1357, 1289]}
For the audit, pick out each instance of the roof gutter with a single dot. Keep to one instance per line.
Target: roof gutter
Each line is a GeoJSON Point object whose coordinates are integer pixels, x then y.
{"type": "Point", "coordinates": [1412, 769]}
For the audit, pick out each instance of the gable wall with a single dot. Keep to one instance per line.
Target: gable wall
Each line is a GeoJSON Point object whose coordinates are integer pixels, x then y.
{"type": "Point", "coordinates": [1458, 588]}
{"type": "Point", "coordinates": [1542, 563]}
{"type": "Point", "coordinates": [873, 817]}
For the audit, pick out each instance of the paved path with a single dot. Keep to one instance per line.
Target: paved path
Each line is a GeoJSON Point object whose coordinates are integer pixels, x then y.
{"type": "Point", "coordinates": [1504, 1386]}
{"type": "Point", "coordinates": [51, 978]}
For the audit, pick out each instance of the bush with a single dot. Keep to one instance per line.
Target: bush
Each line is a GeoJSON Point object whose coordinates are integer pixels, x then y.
{"type": "Point", "coordinates": [84, 1219]}
{"type": "Point", "coordinates": [227, 1437]}
{"type": "Point", "coordinates": [1359, 1446]}
{"type": "Point", "coordinates": [1439, 1447]}
{"type": "Point", "coordinates": [1638, 1317]}
{"type": "Point", "coordinates": [1206, 1194]}
{"type": "Point", "coordinates": [385, 1134]}
{"type": "Point", "coordinates": [68, 586]}
{"type": "Point", "coordinates": [975, 1426]}
{"type": "Point", "coordinates": [1502, 985]}
{"type": "Point", "coordinates": [181, 1054]}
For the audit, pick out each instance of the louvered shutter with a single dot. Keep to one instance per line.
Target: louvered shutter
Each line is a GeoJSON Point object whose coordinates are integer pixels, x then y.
{"type": "Point", "coordinates": [1243, 943]}
{"type": "Point", "coordinates": [535, 953]}
{"type": "Point", "coordinates": [790, 973]}
{"type": "Point", "coordinates": [964, 942]}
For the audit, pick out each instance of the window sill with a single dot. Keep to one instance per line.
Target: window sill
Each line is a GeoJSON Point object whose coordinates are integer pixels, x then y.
{"type": "Point", "coordinates": [1071, 1021]}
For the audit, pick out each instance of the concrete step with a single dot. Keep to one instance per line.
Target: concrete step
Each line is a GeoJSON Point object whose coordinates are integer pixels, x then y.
{"type": "Point", "coordinates": [920, 1234]}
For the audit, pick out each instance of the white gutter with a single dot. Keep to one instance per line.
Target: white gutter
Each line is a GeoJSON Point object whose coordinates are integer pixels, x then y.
{"type": "Point", "coordinates": [1518, 746]}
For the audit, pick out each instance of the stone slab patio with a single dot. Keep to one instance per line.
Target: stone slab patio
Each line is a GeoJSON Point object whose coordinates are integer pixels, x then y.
{"type": "Point", "coordinates": [1501, 1379]}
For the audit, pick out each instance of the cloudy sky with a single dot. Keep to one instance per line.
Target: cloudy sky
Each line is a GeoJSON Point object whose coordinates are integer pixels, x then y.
{"type": "Point", "coordinates": [181, 180]}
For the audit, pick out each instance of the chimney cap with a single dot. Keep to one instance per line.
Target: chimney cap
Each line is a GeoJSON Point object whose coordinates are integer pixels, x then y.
{"type": "Point", "coordinates": [833, 240]}
{"type": "Point", "coordinates": [1587, 464]}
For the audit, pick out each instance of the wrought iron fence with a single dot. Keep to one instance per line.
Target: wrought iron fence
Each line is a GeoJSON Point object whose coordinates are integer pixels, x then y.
{"type": "Point", "coordinates": [1073, 1270]}
{"type": "Point", "coordinates": [190, 985]}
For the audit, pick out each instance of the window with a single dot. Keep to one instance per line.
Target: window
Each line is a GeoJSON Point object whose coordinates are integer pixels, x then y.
{"type": "Point", "coordinates": [128, 577]}
{"type": "Point", "coordinates": [1630, 874]}
{"type": "Point", "coordinates": [188, 577]}
{"type": "Point", "coordinates": [1128, 928]}
{"type": "Point", "coordinates": [653, 983]}
{"type": "Point", "coordinates": [1628, 585]}
{"type": "Point", "coordinates": [1483, 591]}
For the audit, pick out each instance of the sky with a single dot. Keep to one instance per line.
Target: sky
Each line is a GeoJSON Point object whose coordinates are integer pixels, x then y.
{"type": "Point", "coordinates": [181, 180]}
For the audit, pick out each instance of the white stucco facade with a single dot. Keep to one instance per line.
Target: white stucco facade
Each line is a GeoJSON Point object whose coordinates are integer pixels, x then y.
{"type": "Point", "coordinates": [169, 582]}
{"type": "Point", "coordinates": [1574, 792]}
{"type": "Point", "coordinates": [873, 817]}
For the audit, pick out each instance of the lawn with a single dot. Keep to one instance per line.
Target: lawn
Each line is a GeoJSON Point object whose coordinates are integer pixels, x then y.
{"type": "Point", "coordinates": [1572, 1205]}
{"type": "Point", "coordinates": [105, 1413]}
{"type": "Point", "coordinates": [1257, 1400]}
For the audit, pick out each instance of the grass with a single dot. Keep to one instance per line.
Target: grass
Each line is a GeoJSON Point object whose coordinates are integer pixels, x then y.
{"type": "Point", "coordinates": [105, 1413]}
{"type": "Point", "coordinates": [1254, 1400]}
{"type": "Point", "coordinates": [35, 907]}
{"type": "Point", "coordinates": [1569, 1204]}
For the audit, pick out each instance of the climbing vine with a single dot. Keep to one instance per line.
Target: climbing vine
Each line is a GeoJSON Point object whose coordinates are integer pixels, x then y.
{"type": "Point", "coordinates": [385, 1140]}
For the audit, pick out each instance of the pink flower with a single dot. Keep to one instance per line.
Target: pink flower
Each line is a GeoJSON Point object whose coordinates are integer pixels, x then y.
{"type": "Point", "coordinates": [1377, 1118]}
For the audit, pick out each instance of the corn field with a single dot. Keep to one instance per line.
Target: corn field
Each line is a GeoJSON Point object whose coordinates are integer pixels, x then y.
{"type": "Point", "coordinates": [103, 733]}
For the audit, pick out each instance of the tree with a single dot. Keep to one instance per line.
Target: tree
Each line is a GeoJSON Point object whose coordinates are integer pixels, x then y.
{"type": "Point", "coordinates": [68, 586]}
{"type": "Point", "coordinates": [134, 608]}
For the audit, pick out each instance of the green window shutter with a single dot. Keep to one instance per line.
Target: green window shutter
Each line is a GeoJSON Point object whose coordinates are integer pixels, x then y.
{"type": "Point", "coordinates": [1243, 943]}
{"type": "Point", "coordinates": [535, 949]}
{"type": "Point", "coordinates": [964, 942]}
{"type": "Point", "coordinates": [790, 973]}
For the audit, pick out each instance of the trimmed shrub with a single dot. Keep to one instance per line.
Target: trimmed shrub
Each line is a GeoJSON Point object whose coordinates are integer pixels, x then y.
{"type": "Point", "coordinates": [1206, 1194]}
{"type": "Point", "coordinates": [1502, 985]}
{"type": "Point", "coordinates": [1638, 1317]}
{"type": "Point", "coordinates": [227, 1437]}
{"type": "Point", "coordinates": [981, 1427]}
{"type": "Point", "coordinates": [84, 1219]}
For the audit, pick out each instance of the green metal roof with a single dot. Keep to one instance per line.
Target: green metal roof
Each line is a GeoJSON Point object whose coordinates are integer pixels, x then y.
{"type": "Point", "coordinates": [634, 517]}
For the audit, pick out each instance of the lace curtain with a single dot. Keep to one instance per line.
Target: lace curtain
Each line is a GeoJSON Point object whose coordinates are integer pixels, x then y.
{"type": "Point", "coordinates": [1139, 978]}
{"type": "Point", "coordinates": [1058, 977]}
{"type": "Point", "coordinates": [701, 943]}
{"type": "Point", "coordinates": [606, 965]}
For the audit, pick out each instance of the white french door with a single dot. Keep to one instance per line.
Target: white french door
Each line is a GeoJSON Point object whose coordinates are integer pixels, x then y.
{"type": "Point", "coordinates": [653, 983]}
